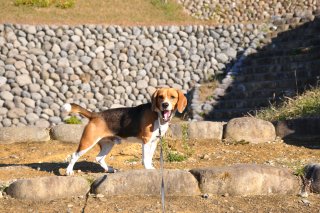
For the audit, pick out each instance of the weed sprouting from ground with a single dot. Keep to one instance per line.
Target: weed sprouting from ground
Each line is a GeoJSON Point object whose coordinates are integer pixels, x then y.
{"type": "Point", "coordinates": [73, 120]}
{"type": "Point", "coordinates": [171, 155]}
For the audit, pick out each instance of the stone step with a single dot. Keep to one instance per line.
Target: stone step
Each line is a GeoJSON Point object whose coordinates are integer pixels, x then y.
{"type": "Point", "coordinates": [293, 58]}
{"type": "Point", "coordinates": [266, 93]}
{"type": "Point", "coordinates": [274, 84]}
{"type": "Point", "coordinates": [227, 114]}
{"type": "Point", "coordinates": [245, 103]}
{"type": "Point", "coordinates": [294, 43]}
{"type": "Point", "coordinates": [267, 76]}
{"type": "Point", "coordinates": [274, 67]}
{"type": "Point", "coordinates": [285, 52]}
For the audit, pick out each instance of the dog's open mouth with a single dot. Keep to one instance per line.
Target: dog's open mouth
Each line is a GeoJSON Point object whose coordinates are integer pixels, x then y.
{"type": "Point", "coordinates": [166, 115]}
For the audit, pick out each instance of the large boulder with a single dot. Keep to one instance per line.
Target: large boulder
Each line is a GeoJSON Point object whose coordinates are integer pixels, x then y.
{"type": "Point", "coordinates": [23, 134]}
{"type": "Point", "coordinates": [70, 133]}
{"type": "Point", "coordinates": [246, 179]}
{"type": "Point", "coordinates": [196, 130]}
{"type": "Point", "coordinates": [249, 129]}
{"type": "Point", "coordinates": [205, 130]}
{"type": "Point", "coordinates": [48, 188]}
{"type": "Point", "coordinates": [147, 182]}
{"type": "Point", "coordinates": [312, 174]}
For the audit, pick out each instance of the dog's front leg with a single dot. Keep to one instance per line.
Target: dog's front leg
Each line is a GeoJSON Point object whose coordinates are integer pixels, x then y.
{"type": "Point", "coordinates": [148, 150]}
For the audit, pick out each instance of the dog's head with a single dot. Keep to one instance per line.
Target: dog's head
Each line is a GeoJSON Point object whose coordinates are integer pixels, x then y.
{"type": "Point", "coordinates": [166, 101]}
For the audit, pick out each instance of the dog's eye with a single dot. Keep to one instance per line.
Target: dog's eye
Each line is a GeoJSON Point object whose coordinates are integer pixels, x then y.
{"type": "Point", "coordinates": [161, 97]}
{"type": "Point", "coordinates": [173, 97]}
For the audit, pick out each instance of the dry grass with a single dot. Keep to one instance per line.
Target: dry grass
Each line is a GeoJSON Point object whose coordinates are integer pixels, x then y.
{"type": "Point", "coordinates": [305, 105]}
{"type": "Point", "coordinates": [115, 12]}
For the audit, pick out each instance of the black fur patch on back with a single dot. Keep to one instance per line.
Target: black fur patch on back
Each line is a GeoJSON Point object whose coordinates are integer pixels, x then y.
{"type": "Point", "coordinates": [125, 122]}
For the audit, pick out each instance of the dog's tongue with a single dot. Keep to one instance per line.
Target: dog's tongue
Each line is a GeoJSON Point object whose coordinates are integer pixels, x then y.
{"type": "Point", "coordinates": [166, 114]}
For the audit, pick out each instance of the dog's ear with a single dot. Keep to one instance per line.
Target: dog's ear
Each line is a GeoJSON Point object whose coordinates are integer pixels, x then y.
{"type": "Point", "coordinates": [154, 100]}
{"type": "Point", "coordinates": [182, 101]}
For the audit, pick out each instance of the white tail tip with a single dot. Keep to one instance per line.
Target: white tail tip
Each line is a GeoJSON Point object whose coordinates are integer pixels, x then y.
{"type": "Point", "coordinates": [66, 108]}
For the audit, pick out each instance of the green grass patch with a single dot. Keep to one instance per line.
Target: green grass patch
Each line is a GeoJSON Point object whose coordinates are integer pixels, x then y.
{"type": "Point", "coordinates": [168, 8]}
{"type": "Point", "coordinates": [305, 105]}
{"type": "Point", "coordinates": [174, 156]}
{"type": "Point", "coordinates": [171, 155]}
{"type": "Point", "coordinates": [35, 3]}
{"type": "Point", "coordinates": [73, 120]}
{"type": "Point", "coordinates": [64, 4]}
{"type": "Point", "coordinates": [300, 171]}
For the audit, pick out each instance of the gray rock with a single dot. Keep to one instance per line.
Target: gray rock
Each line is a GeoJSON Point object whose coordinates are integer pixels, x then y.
{"type": "Point", "coordinates": [123, 57]}
{"type": "Point", "coordinates": [246, 180]}
{"type": "Point", "coordinates": [42, 123]}
{"type": "Point", "coordinates": [231, 52]}
{"type": "Point", "coordinates": [146, 182]}
{"type": "Point", "coordinates": [249, 129]}
{"type": "Point", "coordinates": [28, 102]}
{"type": "Point", "coordinates": [3, 80]}
{"type": "Point", "coordinates": [48, 188]}
{"type": "Point", "coordinates": [6, 95]}
{"type": "Point", "coordinates": [85, 59]}
{"type": "Point", "coordinates": [109, 46]}
{"type": "Point", "coordinates": [120, 90]}
{"type": "Point", "coordinates": [221, 57]}
{"type": "Point", "coordinates": [70, 133]}
{"type": "Point", "coordinates": [205, 130]}
{"type": "Point", "coordinates": [55, 119]}
{"type": "Point", "coordinates": [23, 80]}
{"type": "Point", "coordinates": [63, 62]}
{"type": "Point", "coordinates": [23, 134]}
{"type": "Point", "coordinates": [55, 49]}
{"type": "Point", "coordinates": [31, 29]}
{"type": "Point", "coordinates": [98, 64]}
{"type": "Point", "coordinates": [16, 113]}
{"type": "Point", "coordinates": [19, 65]}
{"type": "Point", "coordinates": [32, 117]}
{"type": "Point", "coordinates": [146, 42]}
{"type": "Point", "coordinates": [142, 84]}
{"type": "Point", "coordinates": [36, 51]}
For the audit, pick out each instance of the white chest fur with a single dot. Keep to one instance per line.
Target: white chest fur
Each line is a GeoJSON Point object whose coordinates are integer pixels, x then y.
{"type": "Point", "coordinates": [156, 132]}
{"type": "Point", "coordinates": [149, 148]}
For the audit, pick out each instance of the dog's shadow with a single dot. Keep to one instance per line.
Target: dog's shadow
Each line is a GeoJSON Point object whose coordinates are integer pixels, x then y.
{"type": "Point", "coordinates": [56, 167]}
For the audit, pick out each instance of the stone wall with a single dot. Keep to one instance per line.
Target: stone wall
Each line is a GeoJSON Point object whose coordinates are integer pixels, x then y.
{"type": "Point", "coordinates": [235, 11]}
{"type": "Point", "coordinates": [43, 67]}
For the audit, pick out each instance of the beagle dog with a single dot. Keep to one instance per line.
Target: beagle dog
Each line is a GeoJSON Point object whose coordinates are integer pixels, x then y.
{"type": "Point", "coordinates": [109, 127]}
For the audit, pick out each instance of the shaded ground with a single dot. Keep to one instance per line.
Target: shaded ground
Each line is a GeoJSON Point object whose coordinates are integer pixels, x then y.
{"type": "Point", "coordinates": [27, 160]}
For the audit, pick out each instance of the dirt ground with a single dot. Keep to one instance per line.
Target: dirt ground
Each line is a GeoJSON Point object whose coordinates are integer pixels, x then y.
{"type": "Point", "coordinates": [27, 160]}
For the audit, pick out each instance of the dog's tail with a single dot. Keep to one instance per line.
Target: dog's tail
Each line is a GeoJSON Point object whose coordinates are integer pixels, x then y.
{"type": "Point", "coordinates": [74, 108]}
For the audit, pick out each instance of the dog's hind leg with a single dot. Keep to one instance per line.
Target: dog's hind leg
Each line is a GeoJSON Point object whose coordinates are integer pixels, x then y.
{"type": "Point", "coordinates": [105, 147]}
{"type": "Point", "coordinates": [91, 136]}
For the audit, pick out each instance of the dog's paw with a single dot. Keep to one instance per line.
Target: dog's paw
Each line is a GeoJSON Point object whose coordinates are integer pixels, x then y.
{"type": "Point", "coordinates": [111, 170]}
{"type": "Point", "coordinates": [69, 173]}
{"type": "Point", "coordinates": [149, 167]}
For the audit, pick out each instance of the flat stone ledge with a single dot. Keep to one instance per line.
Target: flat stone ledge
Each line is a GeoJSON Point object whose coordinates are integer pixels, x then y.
{"type": "Point", "coordinates": [147, 182]}
{"type": "Point", "coordinates": [23, 134]}
{"type": "Point", "coordinates": [70, 133]}
{"type": "Point", "coordinates": [196, 130]}
{"type": "Point", "coordinates": [48, 188]}
{"type": "Point", "coordinates": [246, 179]}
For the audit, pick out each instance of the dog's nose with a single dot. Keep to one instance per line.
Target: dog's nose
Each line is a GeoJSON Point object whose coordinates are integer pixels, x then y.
{"type": "Point", "coordinates": [165, 105]}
